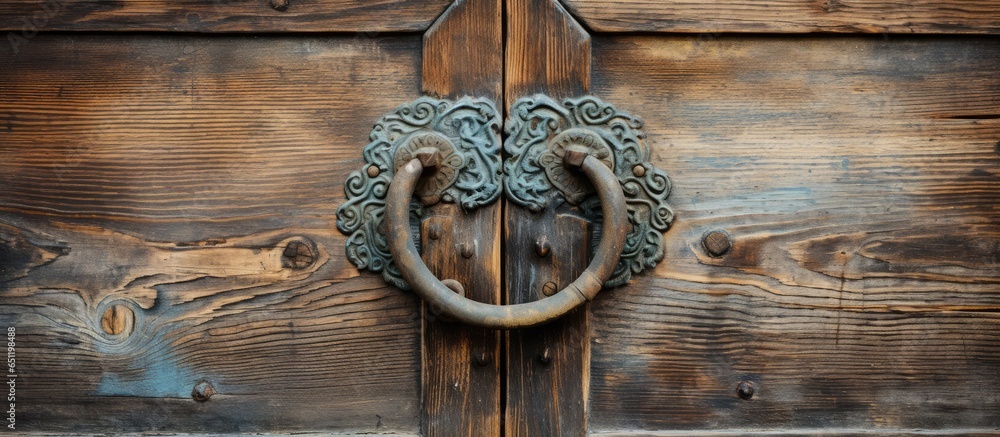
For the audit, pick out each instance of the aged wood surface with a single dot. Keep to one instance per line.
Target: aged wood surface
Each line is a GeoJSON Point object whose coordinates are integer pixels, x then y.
{"type": "Point", "coordinates": [461, 365]}
{"type": "Point", "coordinates": [25, 18]}
{"type": "Point", "coordinates": [546, 52]}
{"type": "Point", "coordinates": [781, 16]}
{"type": "Point", "coordinates": [840, 432]}
{"type": "Point", "coordinates": [546, 365]}
{"type": "Point", "coordinates": [859, 178]}
{"type": "Point", "coordinates": [193, 181]}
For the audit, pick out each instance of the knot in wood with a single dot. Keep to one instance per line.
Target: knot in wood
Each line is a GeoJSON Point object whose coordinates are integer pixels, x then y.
{"type": "Point", "coordinates": [297, 255]}
{"type": "Point", "coordinates": [118, 320]}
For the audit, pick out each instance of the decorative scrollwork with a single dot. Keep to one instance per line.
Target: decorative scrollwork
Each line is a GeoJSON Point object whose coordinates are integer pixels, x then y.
{"type": "Point", "coordinates": [539, 132]}
{"type": "Point", "coordinates": [465, 131]}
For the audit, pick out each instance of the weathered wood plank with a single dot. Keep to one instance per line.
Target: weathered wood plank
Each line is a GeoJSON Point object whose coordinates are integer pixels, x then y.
{"type": "Point", "coordinates": [170, 175]}
{"type": "Point", "coordinates": [790, 16]}
{"type": "Point", "coordinates": [461, 364]}
{"type": "Point", "coordinates": [24, 18]}
{"type": "Point", "coordinates": [547, 52]}
{"type": "Point", "coordinates": [859, 179]}
{"type": "Point", "coordinates": [546, 365]}
{"type": "Point", "coordinates": [841, 432]}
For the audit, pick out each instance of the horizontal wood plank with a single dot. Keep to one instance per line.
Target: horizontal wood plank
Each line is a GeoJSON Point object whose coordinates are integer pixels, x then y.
{"type": "Point", "coordinates": [790, 16]}
{"type": "Point", "coordinates": [859, 179]}
{"type": "Point", "coordinates": [840, 432]}
{"type": "Point", "coordinates": [24, 18]}
{"type": "Point", "coordinates": [169, 175]}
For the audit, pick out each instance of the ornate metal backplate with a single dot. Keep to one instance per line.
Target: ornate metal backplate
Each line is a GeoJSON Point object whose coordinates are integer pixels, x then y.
{"type": "Point", "coordinates": [465, 132]}
{"type": "Point", "coordinates": [539, 133]}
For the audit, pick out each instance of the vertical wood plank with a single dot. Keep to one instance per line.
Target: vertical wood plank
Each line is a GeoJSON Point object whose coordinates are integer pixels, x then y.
{"type": "Point", "coordinates": [547, 52]}
{"type": "Point", "coordinates": [461, 365]}
{"type": "Point", "coordinates": [547, 366]}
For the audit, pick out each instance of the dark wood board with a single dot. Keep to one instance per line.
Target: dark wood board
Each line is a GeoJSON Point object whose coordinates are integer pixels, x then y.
{"type": "Point", "coordinates": [859, 178]}
{"type": "Point", "coordinates": [547, 52]}
{"type": "Point", "coordinates": [462, 56]}
{"type": "Point", "coordinates": [168, 174]}
{"type": "Point", "coordinates": [790, 16]}
{"type": "Point", "coordinates": [24, 18]}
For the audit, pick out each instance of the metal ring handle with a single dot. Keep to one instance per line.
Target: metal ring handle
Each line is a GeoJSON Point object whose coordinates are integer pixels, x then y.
{"type": "Point", "coordinates": [437, 294]}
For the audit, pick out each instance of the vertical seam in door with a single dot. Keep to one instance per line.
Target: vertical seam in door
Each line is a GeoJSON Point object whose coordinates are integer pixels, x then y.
{"type": "Point", "coordinates": [503, 214]}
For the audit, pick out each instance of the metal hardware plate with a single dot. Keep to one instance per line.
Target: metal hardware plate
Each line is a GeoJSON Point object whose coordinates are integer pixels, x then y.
{"type": "Point", "coordinates": [540, 131]}
{"type": "Point", "coordinates": [465, 131]}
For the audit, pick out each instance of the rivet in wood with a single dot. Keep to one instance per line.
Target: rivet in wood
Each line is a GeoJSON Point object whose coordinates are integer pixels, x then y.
{"type": "Point", "coordinates": [202, 391]}
{"type": "Point", "coordinates": [455, 286]}
{"type": "Point", "coordinates": [639, 170]}
{"type": "Point", "coordinates": [434, 231]}
{"type": "Point", "coordinates": [467, 250]}
{"type": "Point", "coordinates": [482, 359]}
{"type": "Point", "coordinates": [542, 246]}
{"type": "Point", "coordinates": [717, 243]}
{"type": "Point", "coordinates": [545, 357]}
{"type": "Point", "coordinates": [117, 320]}
{"type": "Point", "coordinates": [549, 288]}
{"type": "Point", "coordinates": [745, 390]}
{"type": "Point", "coordinates": [373, 171]}
{"type": "Point", "coordinates": [279, 5]}
{"type": "Point", "coordinates": [298, 255]}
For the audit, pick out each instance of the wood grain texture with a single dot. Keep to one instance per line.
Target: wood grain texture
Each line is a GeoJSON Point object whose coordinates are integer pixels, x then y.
{"type": "Point", "coordinates": [546, 391]}
{"type": "Point", "coordinates": [790, 16]}
{"type": "Point", "coordinates": [169, 174]}
{"type": "Point", "coordinates": [860, 180]}
{"type": "Point", "coordinates": [26, 17]}
{"type": "Point", "coordinates": [461, 364]}
{"type": "Point", "coordinates": [841, 432]}
{"type": "Point", "coordinates": [546, 52]}
{"type": "Point", "coordinates": [463, 52]}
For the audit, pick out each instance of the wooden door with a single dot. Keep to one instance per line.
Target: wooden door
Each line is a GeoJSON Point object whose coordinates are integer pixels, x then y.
{"type": "Point", "coordinates": [170, 174]}
{"type": "Point", "coordinates": [169, 258]}
{"type": "Point", "coordinates": [833, 262]}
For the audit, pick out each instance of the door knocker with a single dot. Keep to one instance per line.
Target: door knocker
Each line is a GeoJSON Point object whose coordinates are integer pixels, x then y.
{"type": "Point", "coordinates": [583, 152]}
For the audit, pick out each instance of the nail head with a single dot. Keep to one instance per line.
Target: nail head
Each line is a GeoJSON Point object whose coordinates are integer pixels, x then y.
{"type": "Point", "coordinates": [466, 250]}
{"type": "Point", "coordinates": [546, 356]}
{"type": "Point", "coordinates": [717, 243]}
{"type": "Point", "coordinates": [549, 288]}
{"type": "Point", "coordinates": [279, 5]}
{"type": "Point", "coordinates": [482, 359]}
{"type": "Point", "coordinates": [745, 390]}
{"type": "Point", "coordinates": [455, 286]}
{"type": "Point", "coordinates": [202, 391]}
{"type": "Point", "coordinates": [434, 231]}
{"type": "Point", "coordinates": [542, 248]}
